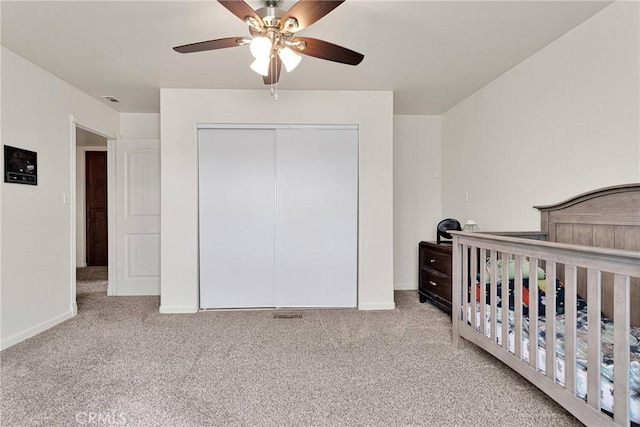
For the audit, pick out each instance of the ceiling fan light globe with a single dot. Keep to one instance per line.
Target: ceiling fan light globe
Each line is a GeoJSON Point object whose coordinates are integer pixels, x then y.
{"type": "Point", "coordinates": [260, 47]}
{"type": "Point", "coordinates": [290, 59]}
{"type": "Point", "coordinates": [261, 66]}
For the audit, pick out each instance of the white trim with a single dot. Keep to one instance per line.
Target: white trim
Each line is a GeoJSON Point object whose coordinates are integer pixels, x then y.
{"type": "Point", "coordinates": [405, 287]}
{"type": "Point", "coordinates": [72, 232]}
{"type": "Point", "coordinates": [381, 306]}
{"type": "Point", "coordinates": [176, 309]}
{"type": "Point", "coordinates": [19, 337]}
{"type": "Point", "coordinates": [112, 246]}
{"type": "Point", "coordinates": [273, 126]}
{"type": "Point", "coordinates": [80, 125]}
{"type": "Point", "coordinates": [81, 252]}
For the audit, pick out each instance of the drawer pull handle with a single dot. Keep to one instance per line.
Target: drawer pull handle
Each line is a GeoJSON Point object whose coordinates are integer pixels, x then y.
{"type": "Point", "coordinates": [432, 283]}
{"type": "Point", "coordinates": [432, 260]}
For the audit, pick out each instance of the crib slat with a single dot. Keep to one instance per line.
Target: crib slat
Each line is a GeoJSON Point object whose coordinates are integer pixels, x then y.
{"type": "Point", "coordinates": [483, 290]}
{"type": "Point", "coordinates": [594, 283]}
{"type": "Point", "coordinates": [533, 313]}
{"type": "Point", "coordinates": [621, 349]}
{"type": "Point", "coordinates": [505, 300]}
{"type": "Point", "coordinates": [473, 273]}
{"type": "Point", "coordinates": [570, 301]}
{"type": "Point", "coordinates": [550, 317]}
{"type": "Point", "coordinates": [517, 305]}
{"type": "Point", "coordinates": [456, 315]}
{"type": "Point", "coordinates": [494, 295]}
{"type": "Point", "coordinates": [464, 286]}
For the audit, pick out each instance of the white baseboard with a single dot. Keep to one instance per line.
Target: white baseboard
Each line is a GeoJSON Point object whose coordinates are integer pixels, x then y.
{"type": "Point", "coordinates": [380, 306]}
{"type": "Point", "coordinates": [21, 336]}
{"type": "Point", "coordinates": [405, 287]}
{"type": "Point", "coordinates": [174, 309]}
{"type": "Point", "coordinates": [81, 265]}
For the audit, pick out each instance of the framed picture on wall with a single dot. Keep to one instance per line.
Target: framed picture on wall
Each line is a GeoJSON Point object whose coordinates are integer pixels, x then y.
{"type": "Point", "coordinates": [20, 166]}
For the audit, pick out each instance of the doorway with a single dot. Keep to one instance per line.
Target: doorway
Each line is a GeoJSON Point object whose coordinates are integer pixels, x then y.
{"type": "Point", "coordinates": [91, 213]}
{"type": "Point", "coordinates": [96, 236]}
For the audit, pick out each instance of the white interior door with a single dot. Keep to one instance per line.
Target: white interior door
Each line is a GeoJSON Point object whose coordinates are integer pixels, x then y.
{"type": "Point", "coordinates": [137, 217]}
{"type": "Point", "coordinates": [317, 218]}
{"type": "Point", "coordinates": [237, 209]}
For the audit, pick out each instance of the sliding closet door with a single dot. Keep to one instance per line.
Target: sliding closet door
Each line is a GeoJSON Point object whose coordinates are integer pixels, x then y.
{"type": "Point", "coordinates": [237, 208]}
{"type": "Point", "coordinates": [316, 222]}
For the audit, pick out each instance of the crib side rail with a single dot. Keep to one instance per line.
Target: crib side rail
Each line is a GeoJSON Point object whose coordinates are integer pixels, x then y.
{"type": "Point", "coordinates": [623, 264]}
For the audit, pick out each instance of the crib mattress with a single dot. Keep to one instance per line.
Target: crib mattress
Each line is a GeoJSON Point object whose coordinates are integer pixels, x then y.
{"type": "Point", "coordinates": [606, 381]}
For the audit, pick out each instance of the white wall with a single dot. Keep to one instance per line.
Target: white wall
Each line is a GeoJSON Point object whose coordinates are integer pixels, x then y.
{"type": "Point", "coordinates": [181, 111]}
{"type": "Point", "coordinates": [563, 122]}
{"type": "Point", "coordinates": [37, 239]}
{"type": "Point", "coordinates": [139, 126]}
{"type": "Point", "coordinates": [416, 192]}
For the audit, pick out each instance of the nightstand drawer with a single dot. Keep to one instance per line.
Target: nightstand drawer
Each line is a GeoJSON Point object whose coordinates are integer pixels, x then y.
{"type": "Point", "coordinates": [434, 274]}
{"type": "Point", "coordinates": [435, 283]}
{"type": "Point", "coordinates": [436, 260]}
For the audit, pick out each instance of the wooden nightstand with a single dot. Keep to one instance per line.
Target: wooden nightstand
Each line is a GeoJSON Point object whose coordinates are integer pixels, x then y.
{"type": "Point", "coordinates": [434, 274]}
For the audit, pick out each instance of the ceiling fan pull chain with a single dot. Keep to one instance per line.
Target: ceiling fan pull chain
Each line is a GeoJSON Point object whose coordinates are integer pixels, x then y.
{"type": "Point", "coordinates": [272, 72]}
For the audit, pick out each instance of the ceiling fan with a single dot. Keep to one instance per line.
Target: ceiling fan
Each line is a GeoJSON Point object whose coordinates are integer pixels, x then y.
{"type": "Point", "coordinates": [273, 40]}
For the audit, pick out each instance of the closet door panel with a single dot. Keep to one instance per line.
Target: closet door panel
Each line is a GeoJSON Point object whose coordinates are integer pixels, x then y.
{"type": "Point", "coordinates": [316, 218]}
{"type": "Point", "coordinates": [237, 209]}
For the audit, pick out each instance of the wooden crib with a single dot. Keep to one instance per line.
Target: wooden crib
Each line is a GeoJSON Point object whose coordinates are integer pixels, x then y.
{"type": "Point", "coordinates": [608, 279]}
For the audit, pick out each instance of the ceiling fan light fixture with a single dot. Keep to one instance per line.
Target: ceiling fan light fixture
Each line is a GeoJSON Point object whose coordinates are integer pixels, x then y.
{"type": "Point", "coordinates": [273, 41]}
{"type": "Point", "coordinates": [261, 66]}
{"type": "Point", "coordinates": [291, 25]}
{"type": "Point", "coordinates": [260, 47]}
{"type": "Point", "coordinates": [289, 58]}
{"type": "Point", "coordinates": [253, 23]}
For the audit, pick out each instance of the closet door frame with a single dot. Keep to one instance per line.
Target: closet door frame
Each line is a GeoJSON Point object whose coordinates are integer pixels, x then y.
{"type": "Point", "coordinates": [276, 127]}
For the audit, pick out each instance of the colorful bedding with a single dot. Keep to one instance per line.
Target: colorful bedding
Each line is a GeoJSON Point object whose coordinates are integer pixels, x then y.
{"type": "Point", "coordinates": [542, 296]}
{"type": "Point", "coordinates": [606, 330]}
{"type": "Point", "coordinates": [606, 383]}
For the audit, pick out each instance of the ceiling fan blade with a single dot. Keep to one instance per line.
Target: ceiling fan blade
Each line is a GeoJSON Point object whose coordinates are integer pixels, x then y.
{"type": "Point", "coordinates": [307, 12]}
{"type": "Point", "coordinates": [329, 51]}
{"type": "Point", "coordinates": [241, 10]}
{"type": "Point", "coordinates": [211, 45]}
{"type": "Point", "coordinates": [274, 71]}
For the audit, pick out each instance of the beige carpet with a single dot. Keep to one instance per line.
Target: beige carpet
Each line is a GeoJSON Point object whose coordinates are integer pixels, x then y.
{"type": "Point", "coordinates": [120, 362]}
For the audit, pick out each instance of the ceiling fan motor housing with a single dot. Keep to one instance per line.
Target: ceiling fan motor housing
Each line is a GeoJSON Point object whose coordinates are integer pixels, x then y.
{"type": "Point", "coordinates": [270, 16]}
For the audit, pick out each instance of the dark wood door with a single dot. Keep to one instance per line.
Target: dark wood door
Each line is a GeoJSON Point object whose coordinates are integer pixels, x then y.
{"type": "Point", "coordinates": [96, 189]}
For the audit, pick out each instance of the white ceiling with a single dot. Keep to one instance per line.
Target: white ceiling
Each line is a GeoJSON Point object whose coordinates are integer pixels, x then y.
{"type": "Point", "coordinates": [432, 54]}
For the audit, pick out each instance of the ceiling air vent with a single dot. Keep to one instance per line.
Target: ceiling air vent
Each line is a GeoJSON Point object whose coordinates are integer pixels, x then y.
{"type": "Point", "coordinates": [110, 98]}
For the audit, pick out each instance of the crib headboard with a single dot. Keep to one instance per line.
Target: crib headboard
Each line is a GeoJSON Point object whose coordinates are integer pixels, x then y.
{"type": "Point", "coordinates": [607, 218]}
